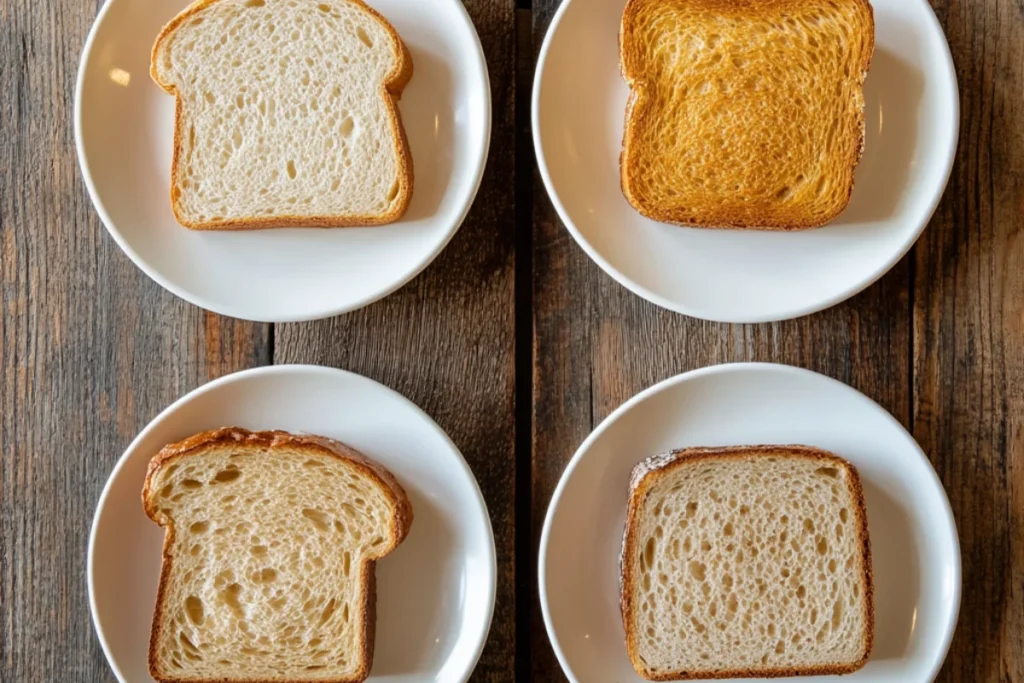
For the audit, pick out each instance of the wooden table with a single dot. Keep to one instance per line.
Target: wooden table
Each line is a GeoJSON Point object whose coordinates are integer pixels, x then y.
{"type": "Point", "coordinates": [512, 340]}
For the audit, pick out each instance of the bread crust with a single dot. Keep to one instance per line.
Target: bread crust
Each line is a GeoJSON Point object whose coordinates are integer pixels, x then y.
{"type": "Point", "coordinates": [391, 92]}
{"type": "Point", "coordinates": [635, 115]}
{"type": "Point", "coordinates": [270, 440]}
{"type": "Point", "coordinates": [646, 473]}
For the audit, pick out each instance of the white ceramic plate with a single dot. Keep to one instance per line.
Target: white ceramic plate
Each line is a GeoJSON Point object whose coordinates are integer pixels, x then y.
{"type": "Point", "coordinates": [435, 593]}
{"type": "Point", "coordinates": [124, 128]}
{"type": "Point", "coordinates": [914, 546]}
{"type": "Point", "coordinates": [579, 100]}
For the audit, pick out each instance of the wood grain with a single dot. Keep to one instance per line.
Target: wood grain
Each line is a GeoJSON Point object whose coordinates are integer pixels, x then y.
{"type": "Point", "coordinates": [91, 351]}
{"type": "Point", "coordinates": [969, 339]}
{"type": "Point", "coordinates": [446, 340]}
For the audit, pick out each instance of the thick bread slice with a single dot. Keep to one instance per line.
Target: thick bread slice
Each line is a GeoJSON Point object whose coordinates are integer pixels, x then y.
{"type": "Point", "coordinates": [744, 113]}
{"type": "Point", "coordinates": [286, 114]}
{"type": "Point", "coordinates": [746, 561]}
{"type": "Point", "coordinates": [268, 561]}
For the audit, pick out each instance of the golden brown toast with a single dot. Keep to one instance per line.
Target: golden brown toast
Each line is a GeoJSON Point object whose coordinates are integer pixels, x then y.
{"type": "Point", "coordinates": [744, 113]}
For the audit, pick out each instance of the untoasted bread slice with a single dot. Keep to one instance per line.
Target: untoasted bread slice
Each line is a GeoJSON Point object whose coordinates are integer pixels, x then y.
{"type": "Point", "coordinates": [747, 561]}
{"type": "Point", "coordinates": [268, 562]}
{"type": "Point", "coordinates": [286, 114]}
{"type": "Point", "coordinates": [744, 114]}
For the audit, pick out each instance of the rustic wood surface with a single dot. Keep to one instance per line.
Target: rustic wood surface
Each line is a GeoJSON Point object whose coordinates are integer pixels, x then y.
{"type": "Point", "coordinates": [512, 340]}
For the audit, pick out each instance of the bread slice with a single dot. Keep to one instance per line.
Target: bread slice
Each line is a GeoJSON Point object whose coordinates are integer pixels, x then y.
{"type": "Point", "coordinates": [744, 114]}
{"type": "Point", "coordinates": [286, 114]}
{"type": "Point", "coordinates": [268, 561]}
{"type": "Point", "coordinates": [746, 561]}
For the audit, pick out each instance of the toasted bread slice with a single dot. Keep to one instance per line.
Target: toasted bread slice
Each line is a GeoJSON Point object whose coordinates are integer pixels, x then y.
{"type": "Point", "coordinates": [747, 561]}
{"type": "Point", "coordinates": [743, 113]}
{"type": "Point", "coordinates": [286, 114]}
{"type": "Point", "coordinates": [268, 561]}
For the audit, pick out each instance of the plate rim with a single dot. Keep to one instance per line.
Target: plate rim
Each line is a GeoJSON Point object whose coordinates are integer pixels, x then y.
{"type": "Point", "coordinates": [947, 65]}
{"type": "Point", "coordinates": [950, 528]}
{"type": "Point", "coordinates": [483, 141]}
{"type": "Point", "coordinates": [284, 369]}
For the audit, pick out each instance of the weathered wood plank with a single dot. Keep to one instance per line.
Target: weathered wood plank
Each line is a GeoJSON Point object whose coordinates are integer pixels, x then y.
{"type": "Point", "coordinates": [91, 351]}
{"type": "Point", "coordinates": [446, 340]}
{"type": "Point", "coordinates": [596, 345]}
{"type": "Point", "coordinates": [969, 338]}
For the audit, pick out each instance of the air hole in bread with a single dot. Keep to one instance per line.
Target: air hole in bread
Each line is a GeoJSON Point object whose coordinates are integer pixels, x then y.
{"type": "Point", "coordinates": [364, 38]}
{"type": "Point", "coordinates": [827, 471]}
{"type": "Point", "coordinates": [230, 597]}
{"type": "Point", "coordinates": [328, 611]}
{"type": "Point", "coordinates": [191, 484]}
{"type": "Point", "coordinates": [837, 614]}
{"type": "Point", "coordinates": [227, 475]}
{"type": "Point", "coordinates": [319, 519]}
{"type": "Point", "coordinates": [346, 563]}
{"type": "Point", "coordinates": [259, 550]}
{"type": "Point", "coordinates": [187, 643]}
{"type": "Point", "coordinates": [291, 169]}
{"type": "Point", "coordinates": [265, 575]}
{"type": "Point", "coordinates": [648, 556]}
{"type": "Point", "coordinates": [784, 193]}
{"type": "Point", "coordinates": [194, 609]}
{"type": "Point", "coordinates": [323, 7]}
{"type": "Point", "coordinates": [822, 545]}
{"type": "Point", "coordinates": [698, 570]}
{"type": "Point", "coordinates": [255, 3]}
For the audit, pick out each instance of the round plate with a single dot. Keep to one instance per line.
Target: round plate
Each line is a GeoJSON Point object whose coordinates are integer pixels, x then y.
{"type": "Point", "coordinates": [124, 126]}
{"type": "Point", "coordinates": [579, 101]}
{"type": "Point", "coordinates": [435, 592]}
{"type": "Point", "coordinates": [914, 547]}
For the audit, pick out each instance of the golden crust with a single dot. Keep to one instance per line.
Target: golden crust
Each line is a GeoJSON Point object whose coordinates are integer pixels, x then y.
{"type": "Point", "coordinates": [314, 445]}
{"type": "Point", "coordinates": [638, 493]}
{"type": "Point", "coordinates": [636, 116]}
{"type": "Point", "coordinates": [391, 91]}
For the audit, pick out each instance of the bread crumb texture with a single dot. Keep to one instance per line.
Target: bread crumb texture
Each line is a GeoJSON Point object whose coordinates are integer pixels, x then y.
{"type": "Point", "coordinates": [286, 110]}
{"type": "Point", "coordinates": [744, 113]}
{"type": "Point", "coordinates": [748, 565]}
{"type": "Point", "coordinates": [268, 562]}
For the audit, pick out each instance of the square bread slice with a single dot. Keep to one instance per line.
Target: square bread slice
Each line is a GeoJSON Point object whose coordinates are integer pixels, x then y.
{"type": "Point", "coordinates": [286, 114]}
{"type": "Point", "coordinates": [746, 561]}
{"type": "Point", "coordinates": [269, 551]}
{"type": "Point", "coordinates": [744, 114]}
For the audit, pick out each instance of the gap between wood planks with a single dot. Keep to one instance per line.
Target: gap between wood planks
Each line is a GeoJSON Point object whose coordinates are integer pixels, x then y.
{"type": "Point", "coordinates": [523, 321]}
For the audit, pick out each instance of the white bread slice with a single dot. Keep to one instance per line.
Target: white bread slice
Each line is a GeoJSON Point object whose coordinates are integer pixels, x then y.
{"type": "Point", "coordinates": [744, 114]}
{"type": "Point", "coordinates": [746, 561]}
{"type": "Point", "coordinates": [268, 559]}
{"type": "Point", "coordinates": [286, 114]}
